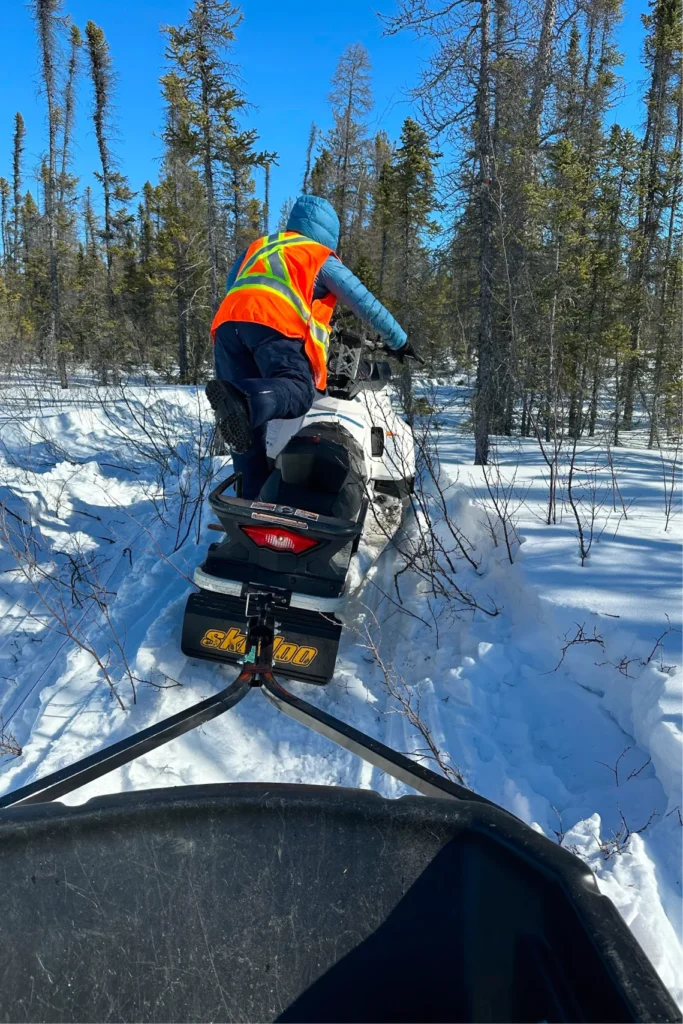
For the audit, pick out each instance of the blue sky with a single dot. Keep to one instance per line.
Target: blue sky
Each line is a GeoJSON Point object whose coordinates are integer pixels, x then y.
{"type": "Point", "coordinates": [307, 35]}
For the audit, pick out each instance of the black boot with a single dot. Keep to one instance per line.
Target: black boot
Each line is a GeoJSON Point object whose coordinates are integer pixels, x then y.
{"type": "Point", "coordinates": [232, 414]}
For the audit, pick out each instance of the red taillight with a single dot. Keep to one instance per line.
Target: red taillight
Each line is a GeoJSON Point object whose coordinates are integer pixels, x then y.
{"type": "Point", "coordinates": [277, 539]}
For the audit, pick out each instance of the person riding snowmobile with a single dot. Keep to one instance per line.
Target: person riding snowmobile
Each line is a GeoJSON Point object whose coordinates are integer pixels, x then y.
{"type": "Point", "coordinates": [271, 331]}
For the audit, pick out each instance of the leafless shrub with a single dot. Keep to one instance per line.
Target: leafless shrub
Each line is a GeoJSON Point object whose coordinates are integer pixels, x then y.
{"type": "Point", "coordinates": [550, 443]}
{"type": "Point", "coordinates": [616, 489]}
{"type": "Point", "coordinates": [619, 840]}
{"type": "Point", "coordinates": [676, 810]}
{"type": "Point", "coordinates": [615, 768]}
{"type": "Point", "coordinates": [177, 446]}
{"type": "Point", "coordinates": [435, 548]}
{"type": "Point", "coordinates": [407, 700]}
{"type": "Point", "coordinates": [8, 742]}
{"type": "Point", "coordinates": [624, 663]}
{"type": "Point", "coordinates": [431, 491]}
{"type": "Point", "coordinates": [586, 504]}
{"type": "Point", "coordinates": [162, 445]}
{"type": "Point", "coordinates": [560, 831]}
{"type": "Point", "coordinates": [620, 506]}
{"type": "Point", "coordinates": [670, 478]}
{"type": "Point", "coordinates": [658, 642]}
{"type": "Point", "coordinates": [580, 638]}
{"type": "Point", "coordinates": [502, 507]}
{"type": "Point", "coordinates": [633, 774]}
{"type": "Point", "coordinates": [68, 594]}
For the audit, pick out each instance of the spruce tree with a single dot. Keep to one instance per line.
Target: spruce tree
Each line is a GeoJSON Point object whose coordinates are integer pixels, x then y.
{"type": "Point", "coordinates": [183, 262]}
{"type": "Point", "coordinates": [411, 202]}
{"type": "Point", "coordinates": [117, 195]}
{"type": "Point", "coordinates": [49, 23]}
{"type": "Point", "coordinates": [382, 212]}
{"type": "Point", "coordinates": [75, 43]}
{"type": "Point", "coordinates": [18, 143]}
{"type": "Point", "coordinates": [346, 143]}
{"type": "Point", "coordinates": [663, 59]}
{"type": "Point", "coordinates": [321, 176]}
{"type": "Point", "coordinates": [312, 140]}
{"type": "Point", "coordinates": [102, 77]}
{"type": "Point", "coordinates": [5, 230]}
{"type": "Point", "coordinates": [197, 53]}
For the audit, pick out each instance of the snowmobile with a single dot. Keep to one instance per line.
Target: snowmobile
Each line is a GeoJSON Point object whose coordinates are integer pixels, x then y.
{"type": "Point", "coordinates": [263, 902]}
{"type": "Point", "coordinates": [334, 499]}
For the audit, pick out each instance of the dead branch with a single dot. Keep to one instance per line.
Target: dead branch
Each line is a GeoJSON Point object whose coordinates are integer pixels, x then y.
{"type": "Point", "coordinates": [580, 639]}
{"type": "Point", "coordinates": [615, 769]}
{"type": "Point", "coordinates": [408, 700]}
{"type": "Point", "coordinates": [622, 837]}
{"type": "Point", "coordinates": [9, 747]}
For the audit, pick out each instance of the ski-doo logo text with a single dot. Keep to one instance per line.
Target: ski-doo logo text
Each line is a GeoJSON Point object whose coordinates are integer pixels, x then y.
{"type": "Point", "coordinates": [233, 641]}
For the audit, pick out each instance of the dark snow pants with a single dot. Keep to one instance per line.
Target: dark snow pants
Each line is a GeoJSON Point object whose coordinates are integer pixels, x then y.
{"type": "Point", "coordinates": [275, 376]}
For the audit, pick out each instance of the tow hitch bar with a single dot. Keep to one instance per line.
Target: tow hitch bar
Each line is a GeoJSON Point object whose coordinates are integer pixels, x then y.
{"type": "Point", "coordinates": [256, 673]}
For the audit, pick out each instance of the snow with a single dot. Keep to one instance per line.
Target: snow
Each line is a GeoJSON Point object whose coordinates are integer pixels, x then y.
{"type": "Point", "coordinates": [101, 489]}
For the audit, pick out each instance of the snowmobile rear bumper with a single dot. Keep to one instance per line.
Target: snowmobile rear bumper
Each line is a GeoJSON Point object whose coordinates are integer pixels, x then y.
{"type": "Point", "coordinates": [306, 642]}
{"type": "Point", "coordinates": [233, 588]}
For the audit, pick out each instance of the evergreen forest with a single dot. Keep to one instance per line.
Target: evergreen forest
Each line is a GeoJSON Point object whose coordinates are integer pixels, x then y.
{"type": "Point", "coordinates": [515, 230]}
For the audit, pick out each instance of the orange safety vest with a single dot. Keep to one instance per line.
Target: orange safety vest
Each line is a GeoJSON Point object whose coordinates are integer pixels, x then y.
{"type": "Point", "coordinates": [274, 286]}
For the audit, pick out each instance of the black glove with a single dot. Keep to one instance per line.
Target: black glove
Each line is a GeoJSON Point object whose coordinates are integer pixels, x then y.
{"type": "Point", "coordinates": [406, 351]}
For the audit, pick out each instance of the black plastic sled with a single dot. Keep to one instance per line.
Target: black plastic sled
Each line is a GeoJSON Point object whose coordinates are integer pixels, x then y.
{"type": "Point", "coordinates": [301, 903]}
{"type": "Point", "coordinates": [261, 902]}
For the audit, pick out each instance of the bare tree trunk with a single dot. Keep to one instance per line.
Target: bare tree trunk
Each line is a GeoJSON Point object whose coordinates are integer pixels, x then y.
{"type": "Point", "coordinates": [541, 79]}
{"type": "Point", "coordinates": [350, 100]}
{"type": "Point", "coordinates": [236, 211]}
{"type": "Point", "coordinates": [210, 202]}
{"type": "Point", "coordinates": [551, 390]}
{"type": "Point", "coordinates": [617, 395]}
{"type": "Point", "coordinates": [595, 392]}
{"type": "Point", "coordinates": [5, 193]}
{"type": "Point", "coordinates": [502, 342]}
{"type": "Point", "coordinates": [648, 214]}
{"type": "Point", "coordinates": [266, 199]}
{"type": "Point", "coordinates": [312, 136]}
{"type": "Point", "coordinates": [344, 180]}
{"type": "Point", "coordinates": [668, 267]}
{"type": "Point", "coordinates": [207, 151]}
{"type": "Point", "coordinates": [182, 319]}
{"type": "Point", "coordinates": [69, 107]}
{"type": "Point", "coordinates": [485, 369]}
{"type": "Point", "coordinates": [383, 259]}
{"type": "Point", "coordinates": [181, 315]}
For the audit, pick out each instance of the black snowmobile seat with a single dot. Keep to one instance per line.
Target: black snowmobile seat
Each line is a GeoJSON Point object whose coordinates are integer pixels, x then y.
{"type": "Point", "coordinates": [321, 469]}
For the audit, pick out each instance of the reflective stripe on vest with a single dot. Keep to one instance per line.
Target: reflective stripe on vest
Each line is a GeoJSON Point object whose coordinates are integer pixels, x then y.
{"type": "Point", "coordinates": [277, 279]}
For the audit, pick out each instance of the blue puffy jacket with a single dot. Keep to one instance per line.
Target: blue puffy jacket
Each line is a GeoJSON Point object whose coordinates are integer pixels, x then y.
{"type": "Point", "coordinates": [316, 218]}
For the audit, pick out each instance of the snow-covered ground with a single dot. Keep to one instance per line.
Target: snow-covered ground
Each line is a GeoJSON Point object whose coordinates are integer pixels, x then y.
{"type": "Point", "coordinates": [101, 527]}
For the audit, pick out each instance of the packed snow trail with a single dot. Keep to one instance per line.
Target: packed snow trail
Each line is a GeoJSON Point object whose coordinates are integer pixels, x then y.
{"type": "Point", "coordinates": [102, 531]}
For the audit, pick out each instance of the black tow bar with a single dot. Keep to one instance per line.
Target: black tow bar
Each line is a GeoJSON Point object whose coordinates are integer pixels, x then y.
{"type": "Point", "coordinates": [256, 673]}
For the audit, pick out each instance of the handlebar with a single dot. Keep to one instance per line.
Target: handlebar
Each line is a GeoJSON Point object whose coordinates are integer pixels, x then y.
{"type": "Point", "coordinates": [407, 352]}
{"type": "Point", "coordinates": [356, 338]}
{"type": "Point", "coordinates": [372, 344]}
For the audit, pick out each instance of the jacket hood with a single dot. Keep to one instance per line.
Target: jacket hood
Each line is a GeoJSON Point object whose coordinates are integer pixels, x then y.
{"type": "Point", "coordinates": [315, 218]}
